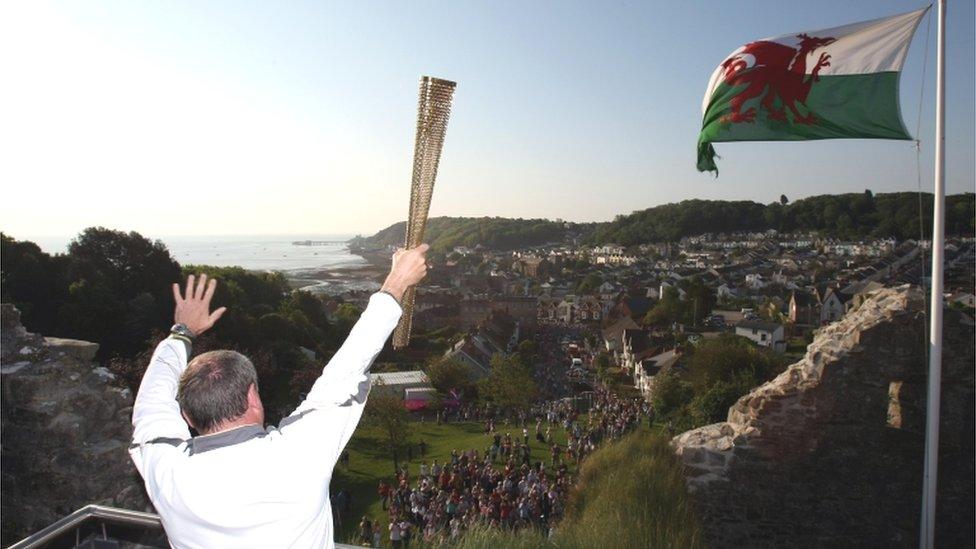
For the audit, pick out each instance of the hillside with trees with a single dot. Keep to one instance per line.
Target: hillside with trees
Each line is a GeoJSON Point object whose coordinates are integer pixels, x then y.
{"type": "Point", "coordinates": [498, 233]}
{"type": "Point", "coordinates": [850, 216]}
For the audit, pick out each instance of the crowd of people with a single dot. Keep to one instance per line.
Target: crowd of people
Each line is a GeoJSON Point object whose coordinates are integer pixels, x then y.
{"type": "Point", "coordinates": [502, 485]}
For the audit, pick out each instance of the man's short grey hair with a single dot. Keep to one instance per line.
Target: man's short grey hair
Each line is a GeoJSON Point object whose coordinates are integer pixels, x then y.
{"type": "Point", "coordinates": [214, 387]}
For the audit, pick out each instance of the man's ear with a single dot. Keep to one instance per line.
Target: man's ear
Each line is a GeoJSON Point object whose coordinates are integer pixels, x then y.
{"type": "Point", "coordinates": [187, 419]}
{"type": "Point", "coordinates": [254, 398]}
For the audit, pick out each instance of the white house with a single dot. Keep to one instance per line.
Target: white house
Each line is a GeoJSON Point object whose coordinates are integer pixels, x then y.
{"type": "Point", "coordinates": [725, 291]}
{"type": "Point", "coordinates": [755, 281]}
{"type": "Point", "coordinates": [647, 371]}
{"type": "Point", "coordinates": [764, 334]}
{"type": "Point", "coordinates": [832, 307]}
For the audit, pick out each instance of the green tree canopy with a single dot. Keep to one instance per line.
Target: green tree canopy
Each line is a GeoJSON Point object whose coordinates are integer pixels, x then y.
{"type": "Point", "coordinates": [387, 414]}
{"type": "Point", "coordinates": [446, 374]}
{"type": "Point", "coordinates": [118, 289]}
{"type": "Point", "coordinates": [731, 358]}
{"type": "Point", "coordinates": [509, 385]}
{"type": "Point", "coordinates": [589, 284]}
{"type": "Point", "coordinates": [34, 282]}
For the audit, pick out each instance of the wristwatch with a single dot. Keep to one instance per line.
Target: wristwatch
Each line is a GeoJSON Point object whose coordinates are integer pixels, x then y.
{"type": "Point", "coordinates": [181, 330]}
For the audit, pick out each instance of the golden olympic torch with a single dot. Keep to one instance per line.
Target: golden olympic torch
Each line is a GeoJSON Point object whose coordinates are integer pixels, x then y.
{"type": "Point", "coordinates": [433, 110]}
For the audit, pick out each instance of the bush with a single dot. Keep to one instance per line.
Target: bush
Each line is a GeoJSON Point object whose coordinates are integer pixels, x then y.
{"type": "Point", "coordinates": [713, 405]}
{"type": "Point", "coordinates": [719, 373]}
{"type": "Point", "coordinates": [728, 358]}
{"type": "Point", "coordinates": [670, 394]}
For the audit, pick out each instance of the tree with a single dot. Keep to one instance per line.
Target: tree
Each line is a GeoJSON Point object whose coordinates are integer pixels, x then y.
{"type": "Point", "coordinates": [386, 413]}
{"type": "Point", "coordinates": [699, 300]}
{"type": "Point", "coordinates": [589, 284]}
{"type": "Point", "coordinates": [128, 263]}
{"type": "Point", "coordinates": [770, 311]}
{"type": "Point", "coordinates": [118, 289]}
{"type": "Point", "coordinates": [34, 282]}
{"type": "Point", "coordinates": [602, 361]}
{"type": "Point", "coordinates": [713, 405]}
{"type": "Point", "coordinates": [307, 312]}
{"type": "Point", "coordinates": [731, 358]}
{"type": "Point", "coordinates": [783, 200]}
{"type": "Point", "coordinates": [693, 309]}
{"type": "Point", "coordinates": [509, 385]}
{"type": "Point", "coordinates": [446, 374]}
{"type": "Point", "coordinates": [669, 309]}
{"type": "Point", "coordinates": [670, 393]}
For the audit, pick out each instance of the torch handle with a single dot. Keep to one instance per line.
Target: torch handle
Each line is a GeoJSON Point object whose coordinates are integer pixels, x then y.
{"type": "Point", "coordinates": [401, 335]}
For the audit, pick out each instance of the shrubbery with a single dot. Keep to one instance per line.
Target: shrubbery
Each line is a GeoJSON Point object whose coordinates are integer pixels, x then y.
{"type": "Point", "coordinates": [719, 372]}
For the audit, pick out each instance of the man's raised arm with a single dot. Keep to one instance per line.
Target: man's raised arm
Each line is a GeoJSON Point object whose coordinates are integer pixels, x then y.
{"type": "Point", "coordinates": [156, 414]}
{"type": "Point", "coordinates": [344, 380]}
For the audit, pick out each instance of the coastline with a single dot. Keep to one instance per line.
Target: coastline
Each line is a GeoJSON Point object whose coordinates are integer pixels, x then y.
{"type": "Point", "coordinates": [338, 280]}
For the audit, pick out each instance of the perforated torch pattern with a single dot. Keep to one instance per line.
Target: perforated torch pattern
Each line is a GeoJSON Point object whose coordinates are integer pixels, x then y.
{"type": "Point", "coordinates": [433, 111]}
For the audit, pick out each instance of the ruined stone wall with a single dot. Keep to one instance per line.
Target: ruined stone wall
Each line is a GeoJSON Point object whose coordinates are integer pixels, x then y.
{"type": "Point", "coordinates": [64, 429]}
{"type": "Point", "coordinates": [830, 453]}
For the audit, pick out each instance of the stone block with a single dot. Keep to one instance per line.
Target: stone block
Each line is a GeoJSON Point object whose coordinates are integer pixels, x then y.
{"type": "Point", "coordinates": [84, 351]}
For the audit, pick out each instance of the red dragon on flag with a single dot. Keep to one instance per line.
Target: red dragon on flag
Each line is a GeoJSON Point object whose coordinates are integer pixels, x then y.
{"type": "Point", "coordinates": [779, 71]}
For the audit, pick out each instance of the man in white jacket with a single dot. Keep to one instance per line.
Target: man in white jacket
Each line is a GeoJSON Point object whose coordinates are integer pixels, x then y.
{"type": "Point", "coordinates": [239, 484]}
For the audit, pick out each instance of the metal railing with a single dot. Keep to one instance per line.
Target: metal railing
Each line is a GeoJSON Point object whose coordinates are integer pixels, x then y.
{"type": "Point", "coordinates": [54, 533]}
{"type": "Point", "coordinates": [79, 518]}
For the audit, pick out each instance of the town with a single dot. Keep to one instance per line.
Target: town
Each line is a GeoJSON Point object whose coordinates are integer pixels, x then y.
{"type": "Point", "coordinates": [640, 306]}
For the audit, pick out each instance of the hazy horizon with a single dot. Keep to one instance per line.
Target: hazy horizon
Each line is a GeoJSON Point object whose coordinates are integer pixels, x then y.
{"type": "Point", "coordinates": [227, 118]}
{"type": "Point", "coordinates": [345, 235]}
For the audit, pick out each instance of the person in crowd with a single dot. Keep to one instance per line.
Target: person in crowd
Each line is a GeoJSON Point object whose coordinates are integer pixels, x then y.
{"type": "Point", "coordinates": [396, 534]}
{"type": "Point", "coordinates": [384, 493]}
{"type": "Point", "coordinates": [365, 531]}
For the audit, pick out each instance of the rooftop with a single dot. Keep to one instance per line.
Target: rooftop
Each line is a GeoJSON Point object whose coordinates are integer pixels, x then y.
{"type": "Point", "coordinates": [399, 378]}
{"type": "Point", "coordinates": [759, 325]}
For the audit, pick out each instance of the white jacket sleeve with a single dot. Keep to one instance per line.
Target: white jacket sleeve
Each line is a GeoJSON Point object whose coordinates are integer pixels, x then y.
{"type": "Point", "coordinates": [158, 426]}
{"type": "Point", "coordinates": [326, 419]}
{"type": "Point", "coordinates": [156, 414]}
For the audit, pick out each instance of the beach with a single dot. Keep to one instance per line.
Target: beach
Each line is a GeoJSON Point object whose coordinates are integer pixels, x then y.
{"type": "Point", "coordinates": [321, 264]}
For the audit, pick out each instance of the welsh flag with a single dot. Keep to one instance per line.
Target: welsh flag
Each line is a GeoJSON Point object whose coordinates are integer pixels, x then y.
{"type": "Point", "coordinates": [832, 83]}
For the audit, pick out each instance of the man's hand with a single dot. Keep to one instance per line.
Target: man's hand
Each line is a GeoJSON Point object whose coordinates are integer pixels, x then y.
{"type": "Point", "coordinates": [409, 267]}
{"type": "Point", "coordinates": [193, 307]}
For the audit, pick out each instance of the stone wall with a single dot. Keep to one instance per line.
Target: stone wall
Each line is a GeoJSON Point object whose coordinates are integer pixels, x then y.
{"type": "Point", "coordinates": [830, 453]}
{"type": "Point", "coordinates": [64, 429]}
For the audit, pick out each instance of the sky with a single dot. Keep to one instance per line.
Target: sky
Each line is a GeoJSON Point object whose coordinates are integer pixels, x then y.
{"type": "Point", "coordinates": [230, 118]}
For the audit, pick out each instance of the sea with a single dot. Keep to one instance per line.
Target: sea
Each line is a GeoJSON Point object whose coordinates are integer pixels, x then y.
{"type": "Point", "coordinates": [315, 262]}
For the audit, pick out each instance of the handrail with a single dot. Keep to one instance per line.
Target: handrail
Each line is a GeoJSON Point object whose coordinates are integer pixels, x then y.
{"type": "Point", "coordinates": [66, 524]}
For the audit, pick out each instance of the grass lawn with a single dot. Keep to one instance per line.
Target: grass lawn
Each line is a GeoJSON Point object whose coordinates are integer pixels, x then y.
{"type": "Point", "coordinates": [368, 463]}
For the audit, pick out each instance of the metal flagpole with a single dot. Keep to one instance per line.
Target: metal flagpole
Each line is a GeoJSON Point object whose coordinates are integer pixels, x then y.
{"type": "Point", "coordinates": [927, 534]}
